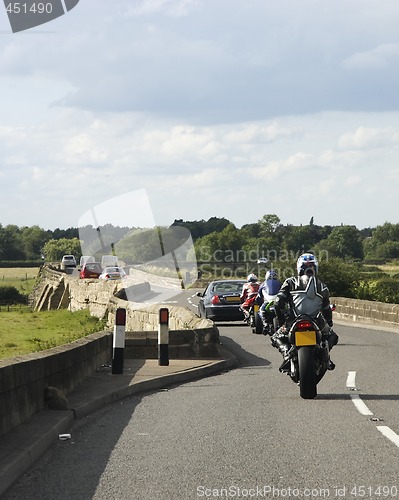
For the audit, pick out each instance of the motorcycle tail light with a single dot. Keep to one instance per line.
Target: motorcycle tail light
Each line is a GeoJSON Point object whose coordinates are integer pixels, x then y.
{"type": "Point", "coordinates": [304, 325]}
{"type": "Point", "coordinates": [215, 299]}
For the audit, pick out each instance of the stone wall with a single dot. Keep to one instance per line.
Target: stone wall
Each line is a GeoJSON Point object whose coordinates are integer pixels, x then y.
{"type": "Point", "coordinates": [367, 312]}
{"type": "Point", "coordinates": [23, 379]}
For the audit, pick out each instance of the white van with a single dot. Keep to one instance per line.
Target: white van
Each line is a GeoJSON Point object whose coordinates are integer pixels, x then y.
{"type": "Point", "coordinates": [86, 259]}
{"type": "Point", "coordinates": [109, 261]}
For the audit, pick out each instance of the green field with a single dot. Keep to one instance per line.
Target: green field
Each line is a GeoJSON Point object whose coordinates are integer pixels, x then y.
{"type": "Point", "coordinates": [23, 279]}
{"type": "Point", "coordinates": [24, 331]}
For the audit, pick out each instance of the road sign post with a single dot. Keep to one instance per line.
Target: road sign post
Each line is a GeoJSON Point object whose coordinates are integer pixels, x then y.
{"type": "Point", "coordinates": [119, 341]}
{"type": "Point", "coordinates": [163, 337]}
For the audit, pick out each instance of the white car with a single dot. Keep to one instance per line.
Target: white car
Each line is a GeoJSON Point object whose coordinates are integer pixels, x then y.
{"type": "Point", "coordinates": [113, 273]}
{"type": "Point", "coordinates": [263, 260]}
{"type": "Point", "coordinates": [68, 262]}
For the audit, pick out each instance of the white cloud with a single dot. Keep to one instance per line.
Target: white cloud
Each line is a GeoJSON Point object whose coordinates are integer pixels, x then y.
{"type": "Point", "coordinates": [201, 100]}
{"type": "Point", "coordinates": [380, 57]}
{"type": "Point", "coordinates": [352, 181]}
{"type": "Point", "coordinates": [369, 138]}
{"type": "Point", "coordinates": [174, 8]}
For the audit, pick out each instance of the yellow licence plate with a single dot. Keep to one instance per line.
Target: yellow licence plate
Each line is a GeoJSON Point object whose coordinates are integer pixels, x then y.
{"type": "Point", "coordinates": [232, 299]}
{"type": "Point", "coordinates": [307, 337]}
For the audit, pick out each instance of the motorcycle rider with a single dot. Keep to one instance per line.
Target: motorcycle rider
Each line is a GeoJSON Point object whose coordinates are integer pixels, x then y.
{"type": "Point", "coordinates": [303, 294]}
{"type": "Point", "coordinates": [266, 295]}
{"type": "Point", "coordinates": [248, 294]}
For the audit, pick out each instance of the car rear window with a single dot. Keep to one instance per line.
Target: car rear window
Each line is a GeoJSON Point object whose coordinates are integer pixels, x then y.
{"type": "Point", "coordinates": [228, 287]}
{"type": "Point", "coordinates": [92, 267]}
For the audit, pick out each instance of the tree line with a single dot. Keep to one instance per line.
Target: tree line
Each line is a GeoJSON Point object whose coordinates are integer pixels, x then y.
{"type": "Point", "coordinates": [219, 236]}
{"type": "Point", "coordinates": [270, 235]}
{"type": "Point", "coordinates": [348, 256]}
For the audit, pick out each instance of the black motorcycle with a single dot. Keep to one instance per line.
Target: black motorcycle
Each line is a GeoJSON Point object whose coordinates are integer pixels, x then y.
{"type": "Point", "coordinates": [309, 355]}
{"type": "Point", "coordinates": [255, 320]}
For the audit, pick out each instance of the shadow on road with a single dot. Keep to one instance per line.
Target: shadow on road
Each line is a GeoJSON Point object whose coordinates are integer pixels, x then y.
{"type": "Point", "coordinates": [244, 357]}
{"type": "Point", "coordinates": [365, 397]}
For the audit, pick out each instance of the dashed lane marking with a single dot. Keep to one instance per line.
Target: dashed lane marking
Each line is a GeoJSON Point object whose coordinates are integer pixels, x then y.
{"type": "Point", "coordinates": [364, 410]}
{"type": "Point", "coordinates": [388, 433]}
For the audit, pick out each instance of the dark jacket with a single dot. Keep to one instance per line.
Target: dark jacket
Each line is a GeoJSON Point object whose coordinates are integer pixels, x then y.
{"type": "Point", "coordinates": [304, 295]}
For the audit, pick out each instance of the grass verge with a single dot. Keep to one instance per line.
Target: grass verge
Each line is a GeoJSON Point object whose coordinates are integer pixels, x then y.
{"type": "Point", "coordinates": [23, 279]}
{"type": "Point", "coordinates": [24, 331]}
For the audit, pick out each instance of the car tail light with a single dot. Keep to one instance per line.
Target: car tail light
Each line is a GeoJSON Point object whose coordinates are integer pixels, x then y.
{"type": "Point", "coordinates": [215, 299]}
{"type": "Point", "coordinates": [304, 325]}
{"type": "Point", "coordinates": [107, 276]}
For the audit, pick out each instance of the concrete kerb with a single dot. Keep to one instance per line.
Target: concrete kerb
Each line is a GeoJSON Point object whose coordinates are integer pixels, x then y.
{"type": "Point", "coordinates": [83, 406]}
{"type": "Point", "coordinates": [24, 445]}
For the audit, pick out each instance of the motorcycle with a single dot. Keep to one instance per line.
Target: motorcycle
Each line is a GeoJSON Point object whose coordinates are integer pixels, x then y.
{"type": "Point", "coordinates": [309, 355]}
{"type": "Point", "coordinates": [255, 319]}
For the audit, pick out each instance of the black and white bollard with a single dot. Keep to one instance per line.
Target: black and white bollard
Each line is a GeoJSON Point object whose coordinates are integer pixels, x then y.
{"type": "Point", "coordinates": [163, 337]}
{"type": "Point", "coordinates": [119, 341]}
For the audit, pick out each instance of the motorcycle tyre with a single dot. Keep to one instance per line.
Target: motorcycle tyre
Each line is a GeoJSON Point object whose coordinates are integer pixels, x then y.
{"type": "Point", "coordinates": [275, 326]}
{"type": "Point", "coordinates": [307, 372]}
{"type": "Point", "coordinates": [258, 325]}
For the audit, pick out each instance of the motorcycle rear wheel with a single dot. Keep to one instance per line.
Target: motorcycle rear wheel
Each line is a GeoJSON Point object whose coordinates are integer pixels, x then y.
{"type": "Point", "coordinates": [307, 372]}
{"type": "Point", "coordinates": [258, 324]}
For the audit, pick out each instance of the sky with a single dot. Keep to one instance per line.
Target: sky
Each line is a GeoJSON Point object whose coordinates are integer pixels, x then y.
{"type": "Point", "coordinates": [199, 109]}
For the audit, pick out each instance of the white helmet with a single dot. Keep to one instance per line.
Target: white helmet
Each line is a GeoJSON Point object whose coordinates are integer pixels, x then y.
{"type": "Point", "coordinates": [307, 261]}
{"type": "Point", "coordinates": [252, 278]}
{"type": "Point", "coordinates": [271, 275]}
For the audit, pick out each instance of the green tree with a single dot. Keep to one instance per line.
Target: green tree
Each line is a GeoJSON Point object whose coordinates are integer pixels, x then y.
{"type": "Point", "coordinates": [206, 248]}
{"type": "Point", "coordinates": [385, 290]}
{"type": "Point", "coordinates": [224, 246]}
{"type": "Point", "coordinates": [343, 242]}
{"type": "Point", "coordinates": [341, 277]}
{"type": "Point", "coordinates": [201, 228]}
{"type": "Point", "coordinates": [387, 250]}
{"type": "Point", "coordinates": [386, 232]}
{"type": "Point", "coordinates": [383, 242]}
{"type": "Point", "coordinates": [54, 249]}
{"type": "Point", "coordinates": [269, 224]}
{"type": "Point", "coordinates": [33, 240]}
{"type": "Point", "coordinates": [11, 247]}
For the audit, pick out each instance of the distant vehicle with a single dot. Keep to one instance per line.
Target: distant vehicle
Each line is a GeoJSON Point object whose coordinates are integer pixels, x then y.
{"type": "Point", "coordinates": [91, 270]}
{"type": "Point", "coordinates": [68, 262]}
{"type": "Point", "coordinates": [113, 273]}
{"type": "Point", "coordinates": [109, 261]}
{"type": "Point", "coordinates": [221, 301]}
{"type": "Point", "coordinates": [85, 259]}
{"type": "Point", "coordinates": [263, 260]}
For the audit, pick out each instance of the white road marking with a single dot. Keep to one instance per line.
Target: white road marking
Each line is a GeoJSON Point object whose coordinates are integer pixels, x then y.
{"type": "Point", "coordinates": [388, 433]}
{"type": "Point", "coordinates": [351, 380]}
{"type": "Point", "coordinates": [362, 408]}
{"type": "Point", "coordinates": [191, 302]}
{"type": "Point", "coordinates": [351, 384]}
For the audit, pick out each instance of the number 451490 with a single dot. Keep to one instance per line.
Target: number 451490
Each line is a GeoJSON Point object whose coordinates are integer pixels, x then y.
{"type": "Point", "coordinates": [35, 8]}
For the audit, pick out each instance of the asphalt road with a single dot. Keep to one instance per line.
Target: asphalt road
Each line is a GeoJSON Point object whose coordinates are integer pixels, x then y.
{"type": "Point", "coordinates": [242, 434]}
